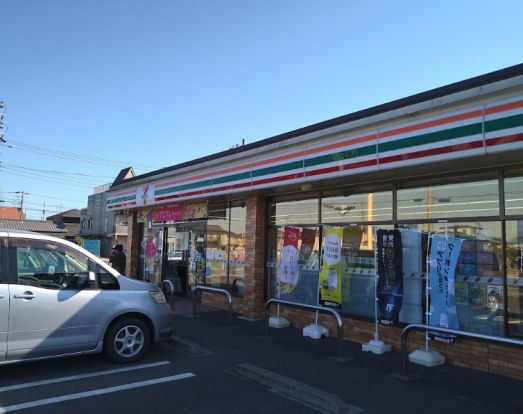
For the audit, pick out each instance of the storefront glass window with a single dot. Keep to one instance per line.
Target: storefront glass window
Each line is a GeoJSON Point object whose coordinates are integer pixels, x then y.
{"type": "Point", "coordinates": [302, 285]}
{"type": "Point", "coordinates": [225, 253]}
{"type": "Point", "coordinates": [472, 199]}
{"type": "Point", "coordinates": [514, 231]}
{"type": "Point", "coordinates": [151, 253]}
{"type": "Point", "coordinates": [358, 270]}
{"type": "Point", "coordinates": [478, 275]}
{"type": "Point", "coordinates": [294, 212]}
{"type": "Point", "coordinates": [514, 196]}
{"type": "Point", "coordinates": [217, 267]}
{"type": "Point", "coordinates": [357, 208]}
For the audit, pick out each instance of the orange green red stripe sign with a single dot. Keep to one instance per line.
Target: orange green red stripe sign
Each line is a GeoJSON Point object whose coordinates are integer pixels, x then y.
{"type": "Point", "coordinates": [482, 129]}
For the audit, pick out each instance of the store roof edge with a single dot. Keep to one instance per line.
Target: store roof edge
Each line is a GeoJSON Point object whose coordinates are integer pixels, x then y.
{"type": "Point", "coordinates": [477, 81]}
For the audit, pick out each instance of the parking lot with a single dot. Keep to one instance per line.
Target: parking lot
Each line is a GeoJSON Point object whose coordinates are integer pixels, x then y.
{"type": "Point", "coordinates": [209, 368]}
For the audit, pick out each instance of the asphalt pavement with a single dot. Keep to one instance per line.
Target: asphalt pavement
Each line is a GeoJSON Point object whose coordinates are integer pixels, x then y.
{"type": "Point", "coordinates": [308, 371]}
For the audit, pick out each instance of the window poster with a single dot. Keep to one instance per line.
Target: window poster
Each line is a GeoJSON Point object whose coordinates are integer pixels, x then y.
{"type": "Point", "coordinates": [144, 215]}
{"type": "Point", "coordinates": [308, 237]}
{"type": "Point", "coordinates": [330, 273]}
{"type": "Point", "coordinates": [289, 271]}
{"type": "Point", "coordinates": [390, 275]}
{"type": "Point", "coordinates": [444, 253]}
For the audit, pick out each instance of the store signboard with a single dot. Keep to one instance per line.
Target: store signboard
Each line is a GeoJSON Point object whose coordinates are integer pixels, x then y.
{"type": "Point", "coordinates": [145, 195]}
{"type": "Point", "coordinates": [168, 213]}
{"type": "Point", "coordinates": [390, 275]}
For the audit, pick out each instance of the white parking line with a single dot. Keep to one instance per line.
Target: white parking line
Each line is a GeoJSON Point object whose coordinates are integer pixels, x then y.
{"type": "Point", "coordinates": [92, 393]}
{"type": "Point", "coordinates": [81, 376]}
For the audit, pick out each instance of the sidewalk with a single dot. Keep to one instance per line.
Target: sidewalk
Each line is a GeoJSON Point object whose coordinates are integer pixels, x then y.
{"type": "Point", "coordinates": [367, 381]}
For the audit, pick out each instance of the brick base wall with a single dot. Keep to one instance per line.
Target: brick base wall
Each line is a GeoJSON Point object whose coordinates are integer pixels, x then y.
{"type": "Point", "coordinates": [483, 356]}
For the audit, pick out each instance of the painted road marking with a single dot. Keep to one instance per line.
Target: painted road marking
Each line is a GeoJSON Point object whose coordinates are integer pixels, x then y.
{"type": "Point", "coordinates": [81, 376]}
{"type": "Point", "coordinates": [101, 391]}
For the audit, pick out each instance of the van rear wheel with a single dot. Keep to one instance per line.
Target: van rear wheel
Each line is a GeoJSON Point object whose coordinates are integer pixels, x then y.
{"type": "Point", "coordinates": [127, 340]}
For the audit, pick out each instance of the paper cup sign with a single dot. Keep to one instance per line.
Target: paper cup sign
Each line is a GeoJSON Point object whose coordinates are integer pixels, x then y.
{"type": "Point", "coordinates": [330, 275]}
{"type": "Point", "coordinates": [332, 249]}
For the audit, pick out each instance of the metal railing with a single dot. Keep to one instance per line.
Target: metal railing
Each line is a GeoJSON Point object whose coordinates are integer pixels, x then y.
{"type": "Point", "coordinates": [324, 309]}
{"type": "Point", "coordinates": [214, 290]}
{"type": "Point", "coordinates": [171, 289]}
{"type": "Point", "coordinates": [422, 327]}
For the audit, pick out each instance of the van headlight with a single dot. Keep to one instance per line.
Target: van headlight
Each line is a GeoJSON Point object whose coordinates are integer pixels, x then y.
{"type": "Point", "coordinates": [157, 296]}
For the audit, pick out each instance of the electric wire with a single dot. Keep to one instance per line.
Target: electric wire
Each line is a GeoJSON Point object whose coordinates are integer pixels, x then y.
{"type": "Point", "coordinates": [90, 159]}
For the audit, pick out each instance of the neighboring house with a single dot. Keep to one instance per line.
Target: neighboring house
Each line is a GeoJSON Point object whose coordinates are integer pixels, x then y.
{"type": "Point", "coordinates": [38, 226]}
{"type": "Point", "coordinates": [68, 220]}
{"type": "Point", "coordinates": [11, 213]}
{"type": "Point", "coordinates": [98, 224]}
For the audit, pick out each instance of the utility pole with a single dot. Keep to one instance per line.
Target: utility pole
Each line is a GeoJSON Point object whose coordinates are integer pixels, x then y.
{"type": "Point", "coordinates": [43, 212]}
{"type": "Point", "coordinates": [22, 194]}
{"type": "Point", "coordinates": [3, 127]}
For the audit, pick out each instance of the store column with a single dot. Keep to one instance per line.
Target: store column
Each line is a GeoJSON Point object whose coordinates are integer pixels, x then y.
{"type": "Point", "coordinates": [253, 301]}
{"type": "Point", "coordinates": [133, 246]}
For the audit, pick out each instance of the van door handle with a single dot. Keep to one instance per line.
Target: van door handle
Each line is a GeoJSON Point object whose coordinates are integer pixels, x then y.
{"type": "Point", "coordinates": [25, 295]}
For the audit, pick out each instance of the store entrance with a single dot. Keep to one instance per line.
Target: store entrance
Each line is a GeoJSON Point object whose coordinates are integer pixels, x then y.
{"type": "Point", "coordinates": [184, 255]}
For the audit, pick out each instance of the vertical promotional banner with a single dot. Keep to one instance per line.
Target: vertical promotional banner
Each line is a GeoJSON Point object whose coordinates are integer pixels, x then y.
{"type": "Point", "coordinates": [444, 253]}
{"type": "Point", "coordinates": [289, 270]}
{"type": "Point", "coordinates": [330, 274]}
{"type": "Point", "coordinates": [390, 275]}
{"type": "Point", "coordinates": [308, 237]}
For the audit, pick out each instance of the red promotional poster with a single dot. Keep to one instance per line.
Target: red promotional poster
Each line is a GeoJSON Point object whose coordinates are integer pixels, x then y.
{"type": "Point", "coordinates": [168, 213]}
{"type": "Point", "coordinates": [291, 236]}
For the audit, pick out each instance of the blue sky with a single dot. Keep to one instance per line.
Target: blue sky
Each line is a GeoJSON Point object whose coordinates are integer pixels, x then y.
{"type": "Point", "coordinates": [152, 84]}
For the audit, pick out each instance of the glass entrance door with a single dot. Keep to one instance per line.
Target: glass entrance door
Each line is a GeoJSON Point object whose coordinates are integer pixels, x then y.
{"type": "Point", "coordinates": [196, 262]}
{"type": "Point", "coordinates": [185, 255]}
{"type": "Point", "coordinates": [176, 257]}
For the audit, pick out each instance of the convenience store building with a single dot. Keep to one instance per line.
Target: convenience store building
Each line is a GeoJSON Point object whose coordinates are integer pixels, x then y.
{"type": "Point", "coordinates": [448, 161]}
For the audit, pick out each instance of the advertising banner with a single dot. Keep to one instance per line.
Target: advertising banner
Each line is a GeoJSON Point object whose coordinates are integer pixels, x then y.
{"type": "Point", "coordinates": [195, 211]}
{"type": "Point", "coordinates": [390, 275]}
{"type": "Point", "coordinates": [289, 270]}
{"type": "Point", "coordinates": [308, 237]}
{"type": "Point", "coordinates": [330, 274]}
{"type": "Point", "coordinates": [444, 253]}
{"type": "Point", "coordinates": [168, 213]}
{"type": "Point", "coordinates": [144, 215]}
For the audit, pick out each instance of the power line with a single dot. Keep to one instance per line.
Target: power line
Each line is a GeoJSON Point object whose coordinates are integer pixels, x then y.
{"type": "Point", "coordinates": [55, 172]}
{"type": "Point", "coordinates": [50, 152]}
{"type": "Point", "coordinates": [42, 196]}
{"type": "Point", "coordinates": [73, 184]}
{"type": "Point", "coordinates": [44, 174]}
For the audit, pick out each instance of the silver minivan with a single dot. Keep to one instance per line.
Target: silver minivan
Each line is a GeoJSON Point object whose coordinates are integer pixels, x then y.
{"type": "Point", "coordinates": [57, 299]}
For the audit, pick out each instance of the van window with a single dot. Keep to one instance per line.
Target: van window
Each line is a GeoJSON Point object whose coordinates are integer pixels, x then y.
{"type": "Point", "coordinates": [51, 265]}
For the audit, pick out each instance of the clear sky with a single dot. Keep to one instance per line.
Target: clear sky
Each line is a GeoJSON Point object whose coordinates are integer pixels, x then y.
{"type": "Point", "coordinates": [92, 86]}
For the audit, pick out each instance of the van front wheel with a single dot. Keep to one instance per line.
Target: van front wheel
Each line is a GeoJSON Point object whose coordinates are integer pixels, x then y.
{"type": "Point", "coordinates": [127, 340]}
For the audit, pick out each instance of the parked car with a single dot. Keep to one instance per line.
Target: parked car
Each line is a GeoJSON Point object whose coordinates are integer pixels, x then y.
{"type": "Point", "coordinates": [57, 299]}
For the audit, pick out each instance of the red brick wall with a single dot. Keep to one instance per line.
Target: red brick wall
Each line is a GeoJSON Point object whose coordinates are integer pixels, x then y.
{"type": "Point", "coordinates": [133, 246]}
